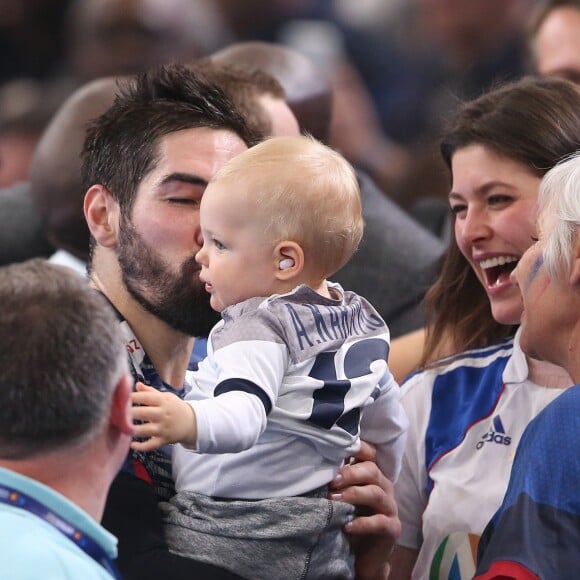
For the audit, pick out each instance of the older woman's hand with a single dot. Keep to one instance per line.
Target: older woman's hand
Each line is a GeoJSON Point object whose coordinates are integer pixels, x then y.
{"type": "Point", "coordinates": [376, 528]}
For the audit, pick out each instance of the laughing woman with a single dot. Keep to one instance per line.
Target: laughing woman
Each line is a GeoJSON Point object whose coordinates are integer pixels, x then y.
{"type": "Point", "coordinates": [467, 412]}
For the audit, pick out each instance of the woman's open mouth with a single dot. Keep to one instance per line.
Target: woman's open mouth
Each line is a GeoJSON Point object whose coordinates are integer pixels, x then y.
{"type": "Point", "coordinates": [497, 270]}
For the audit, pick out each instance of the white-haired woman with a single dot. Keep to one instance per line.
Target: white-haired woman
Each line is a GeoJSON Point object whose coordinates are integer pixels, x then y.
{"type": "Point", "coordinates": [536, 532]}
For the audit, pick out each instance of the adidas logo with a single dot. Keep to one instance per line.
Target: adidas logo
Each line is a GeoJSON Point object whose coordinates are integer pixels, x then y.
{"type": "Point", "coordinates": [495, 435]}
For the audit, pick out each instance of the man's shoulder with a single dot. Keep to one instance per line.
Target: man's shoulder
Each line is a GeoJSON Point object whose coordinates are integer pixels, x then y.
{"type": "Point", "coordinates": [31, 549]}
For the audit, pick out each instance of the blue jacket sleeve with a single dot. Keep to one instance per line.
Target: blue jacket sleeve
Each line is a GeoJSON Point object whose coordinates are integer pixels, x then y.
{"type": "Point", "coordinates": [536, 531]}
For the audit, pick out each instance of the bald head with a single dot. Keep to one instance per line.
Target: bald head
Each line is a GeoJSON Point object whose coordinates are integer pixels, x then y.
{"type": "Point", "coordinates": [308, 93]}
{"type": "Point", "coordinates": [55, 170]}
{"type": "Point", "coordinates": [555, 39]}
{"type": "Point", "coordinates": [257, 95]}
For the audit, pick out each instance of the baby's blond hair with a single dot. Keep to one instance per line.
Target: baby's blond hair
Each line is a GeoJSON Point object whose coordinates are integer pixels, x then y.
{"type": "Point", "coordinates": [302, 191]}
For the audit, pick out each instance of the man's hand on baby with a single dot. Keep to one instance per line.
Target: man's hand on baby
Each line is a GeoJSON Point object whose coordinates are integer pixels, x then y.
{"type": "Point", "coordinates": [377, 527]}
{"type": "Point", "coordinates": [161, 418]}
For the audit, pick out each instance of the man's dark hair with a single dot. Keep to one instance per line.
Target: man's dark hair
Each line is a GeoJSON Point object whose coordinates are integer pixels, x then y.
{"type": "Point", "coordinates": [121, 147]}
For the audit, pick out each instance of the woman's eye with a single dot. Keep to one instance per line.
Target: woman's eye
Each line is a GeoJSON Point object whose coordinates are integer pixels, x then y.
{"type": "Point", "coordinates": [534, 239]}
{"type": "Point", "coordinates": [499, 199]}
{"type": "Point", "coordinates": [457, 209]}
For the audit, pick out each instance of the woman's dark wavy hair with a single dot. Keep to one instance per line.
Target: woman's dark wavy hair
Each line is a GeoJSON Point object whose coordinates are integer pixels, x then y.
{"type": "Point", "coordinates": [533, 121]}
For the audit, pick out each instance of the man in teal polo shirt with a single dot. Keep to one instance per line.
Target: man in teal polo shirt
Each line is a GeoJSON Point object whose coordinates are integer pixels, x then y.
{"type": "Point", "coordinates": [65, 423]}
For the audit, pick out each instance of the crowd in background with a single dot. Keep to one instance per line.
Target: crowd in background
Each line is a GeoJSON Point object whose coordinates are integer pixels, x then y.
{"type": "Point", "coordinates": [398, 67]}
{"type": "Point", "coordinates": [427, 96]}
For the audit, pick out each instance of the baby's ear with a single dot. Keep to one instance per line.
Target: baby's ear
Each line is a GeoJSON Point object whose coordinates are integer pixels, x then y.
{"type": "Point", "coordinates": [288, 260]}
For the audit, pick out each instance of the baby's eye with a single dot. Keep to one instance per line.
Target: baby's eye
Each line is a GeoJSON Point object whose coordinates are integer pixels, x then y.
{"type": "Point", "coordinates": [218, 245]}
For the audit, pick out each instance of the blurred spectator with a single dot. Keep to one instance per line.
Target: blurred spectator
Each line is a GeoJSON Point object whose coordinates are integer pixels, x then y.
{"type": "Point", "coordinates": [258, 96]}
{"type": "Point", "coordinates": [313, 28]}
{"type": "Point", "coordinates": [21, 233]}
{"type": "Point", "coordinates": [398, 67]}
{"type": "Point", "coordinates": [465, 47]}
{"type": "Point", "coordinates": [31, 42]}
{"type": "Point", "coordinates": [412, 56]}
{"type": "Point", "coordinates": [355, 126]}
{"type": "Point", "coordinates": [555, 39]}
{"type": "Point", "coordinates": [117, 37]}
{"type": "Point", "coordinates": [55, 172]}
{"type": "Point", "coordinates": [393, 246]}
{"type": "Point", "coordinates": [397, 72]}
{"type": "Point", "coordinates": [26, 106]}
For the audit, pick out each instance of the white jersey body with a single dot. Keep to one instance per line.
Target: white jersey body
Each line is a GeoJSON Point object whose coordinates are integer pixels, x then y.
{"type": "Point", "coordinates": [465, 421]}
{"type": "Point", "coordinates": [290, 385]}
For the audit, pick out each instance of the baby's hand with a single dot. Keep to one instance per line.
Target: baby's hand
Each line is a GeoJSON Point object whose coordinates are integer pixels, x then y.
{"type": "Point", "coordinates": [166, 419]}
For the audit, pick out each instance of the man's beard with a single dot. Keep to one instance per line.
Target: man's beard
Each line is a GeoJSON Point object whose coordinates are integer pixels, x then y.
{"type": "Point", "coordinates": [178, 299]}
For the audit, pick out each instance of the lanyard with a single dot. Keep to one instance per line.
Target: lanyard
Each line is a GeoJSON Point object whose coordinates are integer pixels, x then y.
{"type": "Point", "coordinates": [20, 500]}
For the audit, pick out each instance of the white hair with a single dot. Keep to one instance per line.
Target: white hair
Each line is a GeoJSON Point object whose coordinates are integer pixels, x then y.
{"type": "Point", "coordinates": [559, 200]}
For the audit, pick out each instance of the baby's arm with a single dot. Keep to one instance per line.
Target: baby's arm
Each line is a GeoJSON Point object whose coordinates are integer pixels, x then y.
{"type": "Point", "coordinates": [166, 419]}
{"type": "Point", "coordinates": [384, 424]}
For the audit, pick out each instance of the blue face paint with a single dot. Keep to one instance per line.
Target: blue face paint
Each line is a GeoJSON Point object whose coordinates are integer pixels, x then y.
{"type": "Point", "coordinates": [538, 263]}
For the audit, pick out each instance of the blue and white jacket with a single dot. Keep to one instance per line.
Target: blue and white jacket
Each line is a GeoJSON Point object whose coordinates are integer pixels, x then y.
{"type": "Point", "coordinates": [466, 418]}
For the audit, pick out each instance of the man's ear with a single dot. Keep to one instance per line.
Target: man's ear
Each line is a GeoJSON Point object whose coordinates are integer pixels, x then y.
{"type": "Point", "coordinates": [288, 260]}
{"type": "Point", "coordinates": [102, 214]}
{"type": "Point", "coordinates": [121, 410]}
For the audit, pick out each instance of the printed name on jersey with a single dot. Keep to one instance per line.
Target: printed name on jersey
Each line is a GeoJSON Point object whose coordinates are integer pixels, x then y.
{"type": "Point", "coordinates": [495, 435]}
{"type": "Point", "coordinates": [331, 324]}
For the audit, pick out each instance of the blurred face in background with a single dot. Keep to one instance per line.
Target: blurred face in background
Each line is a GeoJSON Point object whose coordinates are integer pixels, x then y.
{"type": "Point", "coordinates": [467, 29]}
{"type": "Point", "coordinates": [556, 46]}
